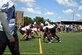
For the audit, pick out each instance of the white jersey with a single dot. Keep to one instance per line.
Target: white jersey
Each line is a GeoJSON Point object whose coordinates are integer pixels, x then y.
{"type": "Point", "coordinates": [49, 26]}
{"type": "Point", "coordinates": [25, 28]}
{"type": "Point", "coordinates": [34, 29]}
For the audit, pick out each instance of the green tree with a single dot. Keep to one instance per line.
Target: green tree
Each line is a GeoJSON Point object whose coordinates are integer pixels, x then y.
{"type": "Point", "coordinates": [39, 19]}
{"type": "Point", "coordinates": [27, 20]}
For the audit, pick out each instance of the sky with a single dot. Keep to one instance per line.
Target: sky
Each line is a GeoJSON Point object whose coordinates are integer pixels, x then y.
{"type": "Point", "coordinates": [54, 10]}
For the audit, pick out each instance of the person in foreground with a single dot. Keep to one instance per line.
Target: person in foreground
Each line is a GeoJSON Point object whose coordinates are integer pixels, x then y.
{"type": "Point", "coordinates": [8, 35]}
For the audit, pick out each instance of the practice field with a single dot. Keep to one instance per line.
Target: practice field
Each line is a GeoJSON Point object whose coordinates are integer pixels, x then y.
{"type": "Point", "coordinates": [71, 44]}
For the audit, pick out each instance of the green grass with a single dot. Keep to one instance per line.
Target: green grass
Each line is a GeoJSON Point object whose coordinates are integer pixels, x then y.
{"type": "Point", "coordinates": [71, 44]}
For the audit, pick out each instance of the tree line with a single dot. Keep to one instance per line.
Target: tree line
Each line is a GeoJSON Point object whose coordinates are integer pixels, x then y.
{"type": "Point", "coordinates": [37, 19]}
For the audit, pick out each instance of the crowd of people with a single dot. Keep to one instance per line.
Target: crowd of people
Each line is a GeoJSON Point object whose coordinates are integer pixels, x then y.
{"type": "Point", "coordinates": [46, 30]}
{"type": "Point", "coordinates": [69, 27]}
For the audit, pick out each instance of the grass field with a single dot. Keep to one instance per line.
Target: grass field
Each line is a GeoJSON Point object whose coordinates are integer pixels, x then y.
{"type": "Point", "coordinates": [71, 44]}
